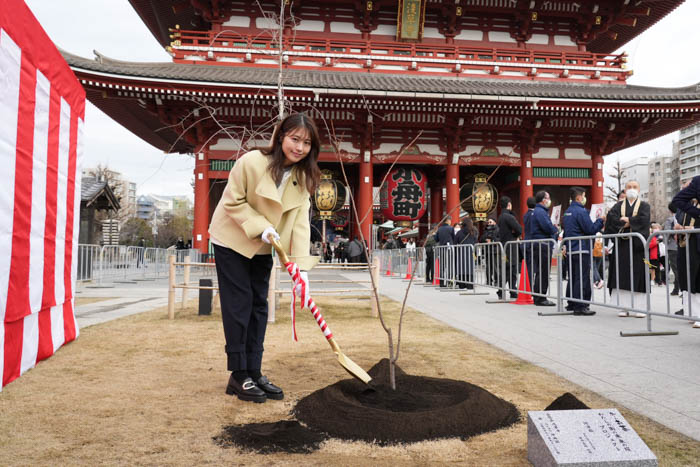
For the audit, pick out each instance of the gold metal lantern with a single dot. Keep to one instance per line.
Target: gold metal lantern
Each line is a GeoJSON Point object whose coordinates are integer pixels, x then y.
{"type": "Point", "coordinates": [478, 197]}
{"type": "Point", "coordinates": [329, 196]}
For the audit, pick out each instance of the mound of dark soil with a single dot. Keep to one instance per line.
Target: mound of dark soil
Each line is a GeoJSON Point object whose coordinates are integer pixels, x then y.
{"type": "Point", "coordinates": [421, 408]}
{"type": "Point", "coordinates": [285, 436]}
{"type": "Point", "coordinates": [567, 401]}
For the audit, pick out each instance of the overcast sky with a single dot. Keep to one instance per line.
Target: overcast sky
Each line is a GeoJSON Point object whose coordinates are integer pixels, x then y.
{"type": "Point", "coordinates": [665, 55]}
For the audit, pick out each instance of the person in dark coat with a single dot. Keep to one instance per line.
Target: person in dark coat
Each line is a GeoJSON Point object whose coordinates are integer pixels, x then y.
{"type": "Point", "coordinates": [467, 235]}
{"type": "Point", "coordinates": [540, 254]}
{"type": "Point", "coordinates": [577, 223]}
{"type": "Point", "coordinates": [493, 254]}
{"type": "Point", "coordinates": [444, 236]}
{"type": "Point", "coordinates": [429, 258]}
{"type": "Point", "coordinates": [688, 217]}
{"type": "Point", "coordinates": [531, 203]}
{"type": "Point", "coordinates": [628, 216]}
{"type": "Point", "coordinates": [508, 230]}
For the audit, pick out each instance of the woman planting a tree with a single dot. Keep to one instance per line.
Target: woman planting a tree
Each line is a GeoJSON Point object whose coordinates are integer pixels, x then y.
{"type": "Point", "coordinates": [267, 194]}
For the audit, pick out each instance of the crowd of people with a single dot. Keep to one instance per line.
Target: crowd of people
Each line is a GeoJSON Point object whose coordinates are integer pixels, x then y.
{"type": "Point", "coordinates": [611, 254]}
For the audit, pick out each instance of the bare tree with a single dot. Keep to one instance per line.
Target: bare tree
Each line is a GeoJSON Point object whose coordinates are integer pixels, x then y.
{"type": "Point", "coordinates": [618, 174]}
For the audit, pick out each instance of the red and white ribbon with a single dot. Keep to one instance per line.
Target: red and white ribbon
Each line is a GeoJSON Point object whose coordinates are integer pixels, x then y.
{"type": "Point", "coordinates": [306, 300]}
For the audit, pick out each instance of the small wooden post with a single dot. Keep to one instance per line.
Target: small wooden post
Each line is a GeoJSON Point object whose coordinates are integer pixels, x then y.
{"type": "Point", "coordinates": [272, 286]}
{"type": "Point", "coordinates": [186, 280]}
{"type": "Point", "coordinates": [375, 277]}
{"type": "Point", "coordinates": [171, 288]}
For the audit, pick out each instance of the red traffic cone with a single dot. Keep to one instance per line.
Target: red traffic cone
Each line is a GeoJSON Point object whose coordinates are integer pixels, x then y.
{"type": "Point", "coordinates": [436, 272]}
{"type": "Point", "coordinates": [388, 269]}
{"type": "Point", "coordinates": [524, 286]}
{"type": "Point", "coordinates": [408, 271]}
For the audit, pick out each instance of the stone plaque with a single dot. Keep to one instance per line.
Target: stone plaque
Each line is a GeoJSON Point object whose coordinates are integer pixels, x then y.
{"type": "Point", "coordinates": [578, 438]}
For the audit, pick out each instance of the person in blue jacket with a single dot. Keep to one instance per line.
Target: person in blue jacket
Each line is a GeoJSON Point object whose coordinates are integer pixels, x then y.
{"type": "Point", "coordinates": [531, 203]}
{"type": "Point", "coordinates": [541, 228]}
{"type": "Point", "coordinates": [577, 223]}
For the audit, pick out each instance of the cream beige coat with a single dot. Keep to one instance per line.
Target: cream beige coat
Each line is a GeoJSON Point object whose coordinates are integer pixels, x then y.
{"type": "Point", "coordinates": [251, 203]}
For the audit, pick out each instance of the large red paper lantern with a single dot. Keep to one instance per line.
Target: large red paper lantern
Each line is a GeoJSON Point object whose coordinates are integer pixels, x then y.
{"type": "Point", "coordinates": [403, 194]}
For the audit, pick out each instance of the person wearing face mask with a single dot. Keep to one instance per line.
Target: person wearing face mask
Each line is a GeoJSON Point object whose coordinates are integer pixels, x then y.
{"type": "Point", "coordinates": [577, 223]}
{"type": "Point", "coordinates": [628, 216]}
{"type": "Point", "coordinates": [540, 254]}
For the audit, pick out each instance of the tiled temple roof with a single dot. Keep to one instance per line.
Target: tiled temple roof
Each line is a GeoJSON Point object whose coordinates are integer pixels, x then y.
{"type": "Point", "coordinates": [359, 81]}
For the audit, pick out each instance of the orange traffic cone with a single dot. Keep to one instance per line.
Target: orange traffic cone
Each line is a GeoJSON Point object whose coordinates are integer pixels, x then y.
{"type": "Point", "coordinates": [408, 271]}
{"type": "Point", "coordinates": [524, 286]}
{"type": "Point", "coordinates": [436, 272]}
{"type": "Point", "coordinates": [388, 269]}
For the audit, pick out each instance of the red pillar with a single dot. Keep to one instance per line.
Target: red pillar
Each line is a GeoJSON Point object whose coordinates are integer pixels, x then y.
{"type": "Point", "coordinates": [526, 181]}
{"type": "Point", "coordinates": [364, 198]}
{"type": "Point", "coordinates": [200, 229]}
{"type": "Point", "coordinates": [452, 195]}
{"type": "Point", "coordinates": [597, 179]}
{"type": "Point", "coordinates": [435, 202]}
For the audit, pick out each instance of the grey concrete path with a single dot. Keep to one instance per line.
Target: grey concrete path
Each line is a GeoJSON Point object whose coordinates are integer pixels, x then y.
{"type": "Point", "coordinates": [123, 300]}
{"type": "Point", "coordinates": [658, 377]}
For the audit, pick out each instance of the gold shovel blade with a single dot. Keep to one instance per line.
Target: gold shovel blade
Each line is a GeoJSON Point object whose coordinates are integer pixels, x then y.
{"type": "Point", "coordinates": [351, 367]}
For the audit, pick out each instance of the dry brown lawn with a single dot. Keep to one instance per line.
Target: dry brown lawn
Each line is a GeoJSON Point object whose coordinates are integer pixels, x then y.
{"type": "Point", "coordinates": [145, 390]}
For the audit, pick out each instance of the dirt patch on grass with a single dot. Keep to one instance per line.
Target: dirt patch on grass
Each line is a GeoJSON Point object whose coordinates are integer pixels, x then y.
{"type": "Point", "coordinates": [419, 409]}
{"type": "Point", "coordinates": [146, 390]}
{"type": "Point", "coordinates": [567, 401]}
{"type": "Point", "coordinates": [287, 436]}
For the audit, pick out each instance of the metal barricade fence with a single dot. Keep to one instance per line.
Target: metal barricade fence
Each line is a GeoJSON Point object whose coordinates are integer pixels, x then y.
{"type": "Point", "coordinates": [490, 258]}
{"type": "Point", "coordinates": [88, 261]}
{"type": "Point", "coordinates": [107, 264]}
{"type": "Point", "coordinates": [685, 266]}
{"type": "Point", "coordinates": [537, 255]}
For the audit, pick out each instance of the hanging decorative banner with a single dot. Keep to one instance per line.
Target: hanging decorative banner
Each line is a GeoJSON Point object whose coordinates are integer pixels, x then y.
{"type": "Point", "coordinates": [411, 16]}
{"type": "Point", "coordinates": [478, 197]}
{"type": "Point", "coordinates": [329, 196]}
{"type": "Point", "coordinates": [402, 197]}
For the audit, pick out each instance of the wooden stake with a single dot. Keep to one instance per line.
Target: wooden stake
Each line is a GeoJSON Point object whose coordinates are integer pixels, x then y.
{"type": "Point", "coordinates": [171, 288]}
{"type": "Point", "coordinates": [186, 281]}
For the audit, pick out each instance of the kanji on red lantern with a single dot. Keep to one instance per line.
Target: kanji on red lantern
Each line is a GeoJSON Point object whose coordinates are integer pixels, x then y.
{"type": "Point", "coordinates": [403, 195]}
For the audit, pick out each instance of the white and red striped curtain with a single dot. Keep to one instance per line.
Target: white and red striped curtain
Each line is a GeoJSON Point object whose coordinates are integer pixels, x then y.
{"type": "Point", "coordinates": [42, 110]}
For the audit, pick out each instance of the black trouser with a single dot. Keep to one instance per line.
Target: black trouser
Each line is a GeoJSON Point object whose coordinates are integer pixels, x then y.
{"type": "Point", "coordinates": [579, 284]}
{"type": "Point", "coordinates": [243, 285]}
{"type": "Point", "coordinates": [429, 260]}
{"type": "Point", "coordinates": [512, 265]}
{"type": "Point", "coordinates": [673, 262]}
{"type": "Point", "coordinates": [541, 259]}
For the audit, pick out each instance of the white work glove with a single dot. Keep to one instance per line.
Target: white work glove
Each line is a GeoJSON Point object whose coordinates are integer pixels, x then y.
{"type": "Point", "coordinates": [306, 297]}
{"type": "Point", "coordinates": [267, 232]}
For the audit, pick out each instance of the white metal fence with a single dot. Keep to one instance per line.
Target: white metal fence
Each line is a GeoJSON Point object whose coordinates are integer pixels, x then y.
{"type": "Point", "coordinates": [105, 265]}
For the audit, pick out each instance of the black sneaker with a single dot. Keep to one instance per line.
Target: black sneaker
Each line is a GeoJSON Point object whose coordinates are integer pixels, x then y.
{"type": "Point", "coordinates": [674, 292]}
{"type": "Point", "coordinates": [271, 391]}
{"type": "Point", "coordinates": [679, 312]}
{"type": "Point", "coordinates": [247, 391]}
{"type": "Point", "coordinates": [584, 312]}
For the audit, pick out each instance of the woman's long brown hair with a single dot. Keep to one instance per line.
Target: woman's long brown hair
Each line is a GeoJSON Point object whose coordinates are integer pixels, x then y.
{"type": "Point", "coordinates": [308, 166]}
